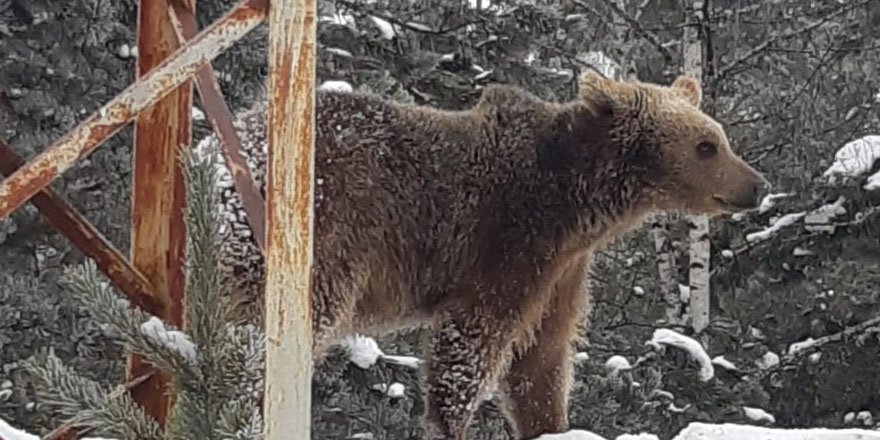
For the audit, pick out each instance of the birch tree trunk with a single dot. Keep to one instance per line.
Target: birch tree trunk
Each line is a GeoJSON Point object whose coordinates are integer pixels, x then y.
{"type": "Point", "coordinates": [698, 226]}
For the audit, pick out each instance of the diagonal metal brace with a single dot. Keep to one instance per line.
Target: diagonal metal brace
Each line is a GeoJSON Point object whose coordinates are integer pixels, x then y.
{"type": "Point", "coordinates": [218, 113]}
{"type": "Point", "coordinates": [86, 238]}
{"type": "Point", "coordinates": [101, 125]}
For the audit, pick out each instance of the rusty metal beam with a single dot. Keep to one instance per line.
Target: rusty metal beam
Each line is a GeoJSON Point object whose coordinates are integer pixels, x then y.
{"type": "Point", "coordinates": [159, 82]}
{"type": "Point", "coordinates": [221, 119]}
{"type": "Point", "coordinates": [290, 218]}
{"type": "Point", "coordinates": [87, 239]}
{"type": "Point", "coordinates": [158, 228]}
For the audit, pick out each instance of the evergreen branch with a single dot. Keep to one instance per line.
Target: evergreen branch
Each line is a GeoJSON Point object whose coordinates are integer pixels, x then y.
{"type": "Point", "coordinates": [139, 332]}
{"type": "Point", "coordinates": [86, 403]}
{"type": "Point", "coordinates": [68, 428]}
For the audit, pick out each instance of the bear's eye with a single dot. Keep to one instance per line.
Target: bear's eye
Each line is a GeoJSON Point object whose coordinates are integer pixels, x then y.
{"type": "Point", "coordinates": [706, 150]}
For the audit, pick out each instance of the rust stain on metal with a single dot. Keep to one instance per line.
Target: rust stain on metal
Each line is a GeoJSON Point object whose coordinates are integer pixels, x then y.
{"type": "Point", "coordinates": [158, 230]}
{"type": "Point", "coordinates": [221, 119]}
{"type": "Point", "coordinates": [87, 239]}
{"type": "Point", "coordinates": [159, 82]}
{"type": "Point", "coordinates": [290, 217]}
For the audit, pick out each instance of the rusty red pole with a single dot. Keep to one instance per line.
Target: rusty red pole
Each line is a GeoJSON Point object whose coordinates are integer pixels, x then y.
{"type": "Point", "coordinates": [158, 229]}
{"type": "Point", "coordinates": [290, 198]}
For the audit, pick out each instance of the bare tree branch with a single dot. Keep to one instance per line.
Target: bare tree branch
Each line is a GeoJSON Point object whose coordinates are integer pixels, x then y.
{"type": "Point", "coordinates": [757, 50]}
{"type": "Point", "coordinates": [635, 25]}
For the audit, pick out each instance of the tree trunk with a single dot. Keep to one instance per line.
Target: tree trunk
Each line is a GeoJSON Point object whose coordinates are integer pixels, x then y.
{"type": "Point", "coordinates": [698, 274]}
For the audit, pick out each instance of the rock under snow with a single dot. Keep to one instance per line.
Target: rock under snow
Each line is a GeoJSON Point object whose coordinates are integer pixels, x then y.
{"type": "Point", "coordinates": [664, 336]}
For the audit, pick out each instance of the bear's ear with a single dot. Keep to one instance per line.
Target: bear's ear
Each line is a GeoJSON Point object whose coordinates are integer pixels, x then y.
{"type": "Point", "coordinates": [688, 88]}
{"type": "Point", "coordinates": [597, 91]}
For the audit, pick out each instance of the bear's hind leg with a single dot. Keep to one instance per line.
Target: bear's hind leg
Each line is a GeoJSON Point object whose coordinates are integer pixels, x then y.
{"type": "Point", "coordinates": [537, 385]}
{"type": "Point", "coordinates": [468, 352]}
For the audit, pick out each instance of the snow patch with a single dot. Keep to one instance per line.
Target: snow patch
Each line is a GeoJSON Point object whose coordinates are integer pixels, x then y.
{"type": "Point", "coordinates": [404, 361]}
{"type": "Point", "coordinates": [335, 86]}
{"type": "Point", "coordinates": [572, 435]}
{"type": "Point", "coordinates": [724, 363]}
{"type": "Point", "coordinates": [386, 29]}
{"type": "Point", "coordinates": [854, 158]}
{"type": "Point", "coordinates": [615, 364]}
{"type": "Point", "coordinates": [664, 336]}
{"type": "Point", "coordinates": [639, 291]}
{"type": "Point", "coordinates": [799, 346]}
{"type": "Point", "coordinates": [601, 62]}
{"type": "Point", "coordinates": [154, 330]}
{"type": "Point", "coordinates": [7, 432]}
{"type": "Point", "coordinates": [363, 350]}
{"type": "Point", "coordinates": [729, 431]}
{"type": "Point", "coordinates": [758, 415]}
{"type": "Point", "coordinates": [581, 357]}
{"type": "Point", "coordinates": [770, 200]}
{"type": "Point", "coordinates": [769, 360]}
{"type": "Point", "coordinates": [819, 220]}
{"type": "Point", "coordinates": [197, 114]}
{"type": "Point", "coordinates": [684, 293]}
{"type": "Point", "coordinates": [784, 221]}
{"type": "Point", "coordinates": [727, 253]}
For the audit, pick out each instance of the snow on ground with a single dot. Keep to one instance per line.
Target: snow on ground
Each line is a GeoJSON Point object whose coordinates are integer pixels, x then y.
{"type": "Point", "coordinates": [154, 330]}
{"type": "Point", "coordinates": [703, 431]}
{"type": "Point", "coordinates": [854, 158]}
{"type": "Point", "coordinates": [758, 415]}
{"type": "Point", "coordinates": [581, 357]}
{"type": "Point", "coordinates": [664, 336]}
{"type": "Point", "coordinates": [730, 431]}
{"type": "Point", "coordinates": [782, 222]}
{"type": "Point", "coordinates": [336, 86]}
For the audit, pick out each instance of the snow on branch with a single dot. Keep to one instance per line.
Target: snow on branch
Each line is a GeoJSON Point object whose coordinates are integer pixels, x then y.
{"type": "Point", "coordinates": [664, 336]}
{"type": "Point", "coordinates": [154, 330]}
{"type": "Point", "coordinates": [364, 352]}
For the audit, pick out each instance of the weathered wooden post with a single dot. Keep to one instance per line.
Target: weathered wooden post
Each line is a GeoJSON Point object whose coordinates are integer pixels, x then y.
{"type": "Point", "coordinates": [289, 217]}
{"type": "Point", "coordinates": [158, 230]}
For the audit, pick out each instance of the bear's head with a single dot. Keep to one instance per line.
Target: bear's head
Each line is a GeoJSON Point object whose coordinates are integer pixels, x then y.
{"type": "Point", "coordinates": [686, 159]}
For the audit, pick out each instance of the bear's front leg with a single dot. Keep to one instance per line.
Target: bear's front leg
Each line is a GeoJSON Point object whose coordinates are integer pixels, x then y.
{"type": "Point", "coordinates": [469, 349]}
{"type": "Point", "coordinates": [536, 387]}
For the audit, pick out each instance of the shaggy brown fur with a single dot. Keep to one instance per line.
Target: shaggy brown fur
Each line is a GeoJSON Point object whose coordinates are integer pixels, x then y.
{"type": "Point", "coordinates": [481, 223]}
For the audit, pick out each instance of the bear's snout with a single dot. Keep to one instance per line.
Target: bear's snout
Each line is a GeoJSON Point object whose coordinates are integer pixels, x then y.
{"type": "Point", "coordinates": [751, 191]}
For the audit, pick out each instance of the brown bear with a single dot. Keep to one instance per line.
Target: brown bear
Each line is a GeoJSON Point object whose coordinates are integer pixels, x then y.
{"type": "Point", "coordinates": [481, 223]}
